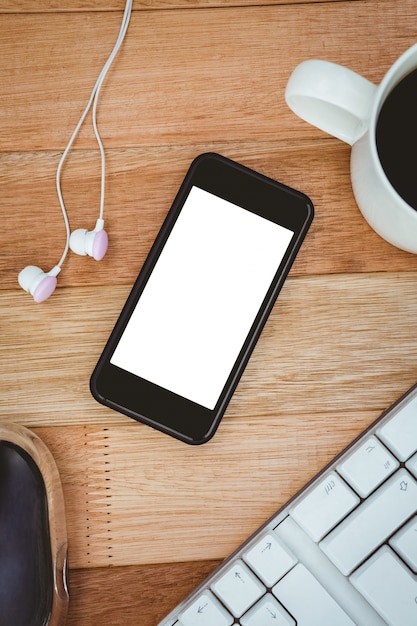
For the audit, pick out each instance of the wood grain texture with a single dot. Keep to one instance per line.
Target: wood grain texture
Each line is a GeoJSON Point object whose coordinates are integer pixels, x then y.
{"type": "Point", "coordinates": [60, 6]}
{"type": "Point", "coordinates": [115, 591]}
{"type": "Point", "coordinates": [324, 337]}
{"type": "Point", "coordinates": [152, 128]}
{"type": "Point", "coordinates": [329, 339]}
{"type": "Point", "coordinates": [235, 61]}
{"type": "Point", "coordinates": [141, 186]}
{"type": "Point", "coordinates": [149, 517]}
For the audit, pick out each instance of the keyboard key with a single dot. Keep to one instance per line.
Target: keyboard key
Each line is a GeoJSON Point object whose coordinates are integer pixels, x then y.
{"type": "Point", "coordinates": [338, 586]}
{"type": "Point", "coordinates": [269, 559]}
{"type": "Point", "coordinates": [372, 522]}
{"type": "Point", "coordinates": [238, 588]}
{"type": "Point", "coordinates": [267, 612]}
{"type": "Point", "coordinates": [389, 586]}
{"type": "Point", "coordinates": [324, 506]}
{"type": "Point", "coordinates": [411, 465]}
{"type": "Point", "coordinates": [368, 466]}
{"type": "Point", "coordinates": [342, 553]}
{"type": "Point", "coordinates": [400, 432]}
{"type": "Point", "coordinates": [307, 601]}
{"type": "Point", "coordinates": [205, 611]}
{"type": "Point", "coordinates": [405, 543]}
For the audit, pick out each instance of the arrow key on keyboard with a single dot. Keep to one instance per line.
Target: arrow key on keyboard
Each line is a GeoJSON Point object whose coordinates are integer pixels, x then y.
{"type": "Point", "coordinates": [267, 612]}
{"type": "Point", "coordinates": [238, 588]}
{"type": "Point", "coordinates": [270, 559]}
{"type": "Point", "coordinates": [205, 611]}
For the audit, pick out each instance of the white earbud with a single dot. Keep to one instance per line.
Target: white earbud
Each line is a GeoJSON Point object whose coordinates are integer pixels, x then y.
{"type": "Point", "coordinates": [38, 283]}
{"type": "Point", "coordinates": [93, 242]}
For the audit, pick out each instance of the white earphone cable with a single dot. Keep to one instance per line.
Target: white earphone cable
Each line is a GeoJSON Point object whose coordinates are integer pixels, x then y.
{"type": "Point", "coordinates": [93, 98]}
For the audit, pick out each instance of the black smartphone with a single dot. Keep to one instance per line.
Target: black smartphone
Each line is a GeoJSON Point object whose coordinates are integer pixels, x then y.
{"type": "Point", "coordinates": [198, 306]}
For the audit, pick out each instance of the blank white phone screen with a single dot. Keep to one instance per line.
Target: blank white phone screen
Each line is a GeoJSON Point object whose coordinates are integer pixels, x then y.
{"type": "Point", "coordinates": [202, 298]}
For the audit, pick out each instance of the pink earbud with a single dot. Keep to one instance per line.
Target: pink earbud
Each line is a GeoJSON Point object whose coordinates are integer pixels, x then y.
{"type": "Point", "coordinates": [42, 284]}
{"type": "Point", "coordinates": [38, 283]}
{"type": "Point", "coordinates": [93, 242]}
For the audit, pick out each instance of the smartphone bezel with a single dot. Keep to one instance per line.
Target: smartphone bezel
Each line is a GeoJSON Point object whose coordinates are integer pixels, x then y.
{"type": "Point", "coordinates": [158, 407]}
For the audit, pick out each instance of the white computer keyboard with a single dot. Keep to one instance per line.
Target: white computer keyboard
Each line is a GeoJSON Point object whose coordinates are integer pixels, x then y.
{"type": "Point", "coordinates": [343, 551]}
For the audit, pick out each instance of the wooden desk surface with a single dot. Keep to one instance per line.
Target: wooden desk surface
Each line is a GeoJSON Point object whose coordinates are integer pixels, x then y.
{"type": "Point", "coordinates": [148, 517]}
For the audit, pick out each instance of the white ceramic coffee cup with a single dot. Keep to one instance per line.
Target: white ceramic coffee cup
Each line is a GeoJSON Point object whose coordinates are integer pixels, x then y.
{"type": "Point", "coordinates": [346, 105]}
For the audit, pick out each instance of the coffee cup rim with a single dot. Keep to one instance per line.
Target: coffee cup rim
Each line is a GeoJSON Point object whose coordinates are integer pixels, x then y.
{"type": "Point", "coordinates": [390, 80]}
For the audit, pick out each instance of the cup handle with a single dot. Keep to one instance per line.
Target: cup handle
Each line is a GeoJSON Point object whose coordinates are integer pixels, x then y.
{"type": "Point", "coordinates": [332, 98]}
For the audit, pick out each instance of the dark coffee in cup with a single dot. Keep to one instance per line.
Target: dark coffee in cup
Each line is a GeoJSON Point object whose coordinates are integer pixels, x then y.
{"type": "Point", "coordinates": [396, 138]}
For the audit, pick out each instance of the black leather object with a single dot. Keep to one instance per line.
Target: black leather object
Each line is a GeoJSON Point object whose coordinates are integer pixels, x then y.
{"type": "Point", "coordinates": [26, 579]}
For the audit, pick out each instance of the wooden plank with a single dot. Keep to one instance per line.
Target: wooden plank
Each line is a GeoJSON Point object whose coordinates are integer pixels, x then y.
{"type": "Point", "coordinates": [123, 595]}
{"type": "Point", "coordinates": [59, 6]}
{"type": "Point", "coordinates": [235, 62]}
{"type": "Point", "coordinates": [320, 329]}
{"type": "Point", "coordinates": [135, 497]}
{"type": "Point", "coordinates": [141, 185]}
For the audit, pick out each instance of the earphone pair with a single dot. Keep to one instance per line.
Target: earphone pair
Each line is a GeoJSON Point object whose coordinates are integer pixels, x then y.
{"type": "Point", "coordinates": [93, 243]}
{"type": "Point", "coordinates": [42, 284]}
